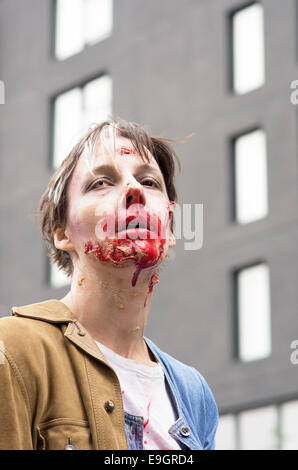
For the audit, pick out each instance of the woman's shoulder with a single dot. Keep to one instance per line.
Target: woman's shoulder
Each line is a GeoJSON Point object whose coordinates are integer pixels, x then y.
{"type": "Point", "coordinates": [186, 374]}
{"type": "Point", "coordinates": [193, 392]}
{"type": "Point", "coordinates": [29, 326]}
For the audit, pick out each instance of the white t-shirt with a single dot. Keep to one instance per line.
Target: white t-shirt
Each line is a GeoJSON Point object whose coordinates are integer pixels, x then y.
{"type": "Point", "coordinates": [144, 394]}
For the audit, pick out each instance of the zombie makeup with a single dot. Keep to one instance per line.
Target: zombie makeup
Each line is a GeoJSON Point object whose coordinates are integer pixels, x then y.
{"type": "Point", "coordinates": [108, 225]}
{"type": "Point", "coordinates": [140, 237]}
{"type": "Point", "coordinates": [126, 151]}
{"type": "Point", "coordinates": [145, 253]}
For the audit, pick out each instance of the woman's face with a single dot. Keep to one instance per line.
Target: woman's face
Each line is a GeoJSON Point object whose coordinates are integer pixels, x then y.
{"type": "Point", "coordinates": [118, 208]}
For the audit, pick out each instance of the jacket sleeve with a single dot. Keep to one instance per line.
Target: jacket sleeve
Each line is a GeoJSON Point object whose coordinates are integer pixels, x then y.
{"type": "Point", "coordinates": [211, 416]}
{"type": "Point", "coordinates": [15, 426]}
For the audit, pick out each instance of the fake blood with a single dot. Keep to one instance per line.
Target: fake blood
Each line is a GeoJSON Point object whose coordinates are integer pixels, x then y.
{"type": "Point", "coordinates": [154, 279]}
{"type": "Point", "coordinates": [147, 420]}
{"type": "Point", "coordinates": [127, 151]}
{"type": "Point", "coordinates": [145, 253]}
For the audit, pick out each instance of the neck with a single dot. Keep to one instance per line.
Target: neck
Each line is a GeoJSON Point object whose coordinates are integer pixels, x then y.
{"type": "Point", "coordinates": [113, 310]}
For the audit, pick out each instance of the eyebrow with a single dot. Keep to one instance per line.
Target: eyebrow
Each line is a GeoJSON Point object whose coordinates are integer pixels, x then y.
{"type": "Point", "coordinates": [109, 169]}
{"type": "Point", "coordinates": [104, 168]}
{"type": "Point", "coordinates": [146, 167]}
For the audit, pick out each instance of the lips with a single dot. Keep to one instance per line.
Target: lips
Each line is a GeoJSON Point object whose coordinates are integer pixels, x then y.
{"type": "Point", "coordinates": [141, 221]}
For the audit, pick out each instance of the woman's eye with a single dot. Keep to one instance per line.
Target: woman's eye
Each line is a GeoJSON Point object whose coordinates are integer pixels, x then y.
{"type": "Point", "coordinates": [98, 184]}
{"type": "Point", "coordinates": [151, 183]}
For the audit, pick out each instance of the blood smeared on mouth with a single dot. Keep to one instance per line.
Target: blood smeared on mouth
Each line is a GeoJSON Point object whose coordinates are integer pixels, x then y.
{"type": "Point", "coordinates": [145, 253]}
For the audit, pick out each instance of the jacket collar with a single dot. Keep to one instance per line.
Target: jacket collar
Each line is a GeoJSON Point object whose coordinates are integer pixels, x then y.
{"type": "Point", "coordinates": [52, 311]}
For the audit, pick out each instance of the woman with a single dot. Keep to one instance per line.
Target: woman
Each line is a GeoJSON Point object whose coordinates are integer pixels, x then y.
{"type": "Point", "coordinates": [78, 372]}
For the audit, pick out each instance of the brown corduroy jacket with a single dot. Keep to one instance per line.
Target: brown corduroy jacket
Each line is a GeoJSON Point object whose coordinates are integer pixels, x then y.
{"type": "Point", "coordinates": [51, 391]}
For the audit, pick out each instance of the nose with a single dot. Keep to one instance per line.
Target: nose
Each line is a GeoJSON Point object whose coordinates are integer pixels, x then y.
{"type": "Point", "coordinates": [135, 195]}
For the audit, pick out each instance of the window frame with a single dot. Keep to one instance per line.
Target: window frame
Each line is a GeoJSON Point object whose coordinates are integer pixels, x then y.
{"type": "Point", "coordinates": [86, 44]}
{"type": "Point", "coordinates": [230, 46]}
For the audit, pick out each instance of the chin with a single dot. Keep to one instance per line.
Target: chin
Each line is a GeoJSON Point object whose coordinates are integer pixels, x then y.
{"type": "Point", "coordinates": [140, 254]}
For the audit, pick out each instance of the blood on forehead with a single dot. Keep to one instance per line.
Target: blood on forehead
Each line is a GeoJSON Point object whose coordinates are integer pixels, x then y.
{"type": "Point", "coordinates": [125, 151]}
{"type": "Point", "coordinates": [107, 146]}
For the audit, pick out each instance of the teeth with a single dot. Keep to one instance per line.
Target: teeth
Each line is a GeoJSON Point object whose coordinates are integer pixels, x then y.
{"type": "Point", "coordinates": [137, 226]}
{"type": "Point", "coordinates": [132, 223]}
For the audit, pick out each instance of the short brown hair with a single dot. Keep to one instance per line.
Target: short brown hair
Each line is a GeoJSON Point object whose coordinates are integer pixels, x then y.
{"type": "Point", "coordinates": [52, 208]}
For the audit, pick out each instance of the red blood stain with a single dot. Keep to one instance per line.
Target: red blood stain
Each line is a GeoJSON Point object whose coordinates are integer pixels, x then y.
{"type": "Point", "coordinates": [127, 151]}
{"type": "Point", "coordinates": [145, 252]}
{"type": "Point", "coordinates": [147, 420]}
{"type": "Point", "coordinates": [154, 279]}
{"type": "Point", "coordinates": [145, 442]}
{"type": "Point", "coordinates": [122, 392]}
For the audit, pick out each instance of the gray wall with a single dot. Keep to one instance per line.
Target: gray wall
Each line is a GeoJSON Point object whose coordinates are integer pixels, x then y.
{"type": "Point", "coordinates": [169, 61]}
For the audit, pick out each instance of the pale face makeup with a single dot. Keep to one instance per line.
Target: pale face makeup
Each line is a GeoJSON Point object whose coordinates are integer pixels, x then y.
{"type": "Point", "coordinates": [118, 210]}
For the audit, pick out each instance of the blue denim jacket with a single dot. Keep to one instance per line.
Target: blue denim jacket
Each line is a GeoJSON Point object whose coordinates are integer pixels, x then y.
{"type": "Point", "coordinates": [193, 402]}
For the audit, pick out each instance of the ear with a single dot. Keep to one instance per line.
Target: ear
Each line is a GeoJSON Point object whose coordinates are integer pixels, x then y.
{"type": "Point", "coordinates": [62, 240]}
{"type": "Point", "coordinates": [172, 240]}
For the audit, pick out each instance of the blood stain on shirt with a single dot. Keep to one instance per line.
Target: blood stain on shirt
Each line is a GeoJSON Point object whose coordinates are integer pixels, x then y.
{"type": "Point", "coordinates": [147, 420]}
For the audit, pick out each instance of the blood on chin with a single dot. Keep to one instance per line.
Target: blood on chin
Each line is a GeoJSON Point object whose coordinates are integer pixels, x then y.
{"type": "Point", "coordinates": [144, 253]}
